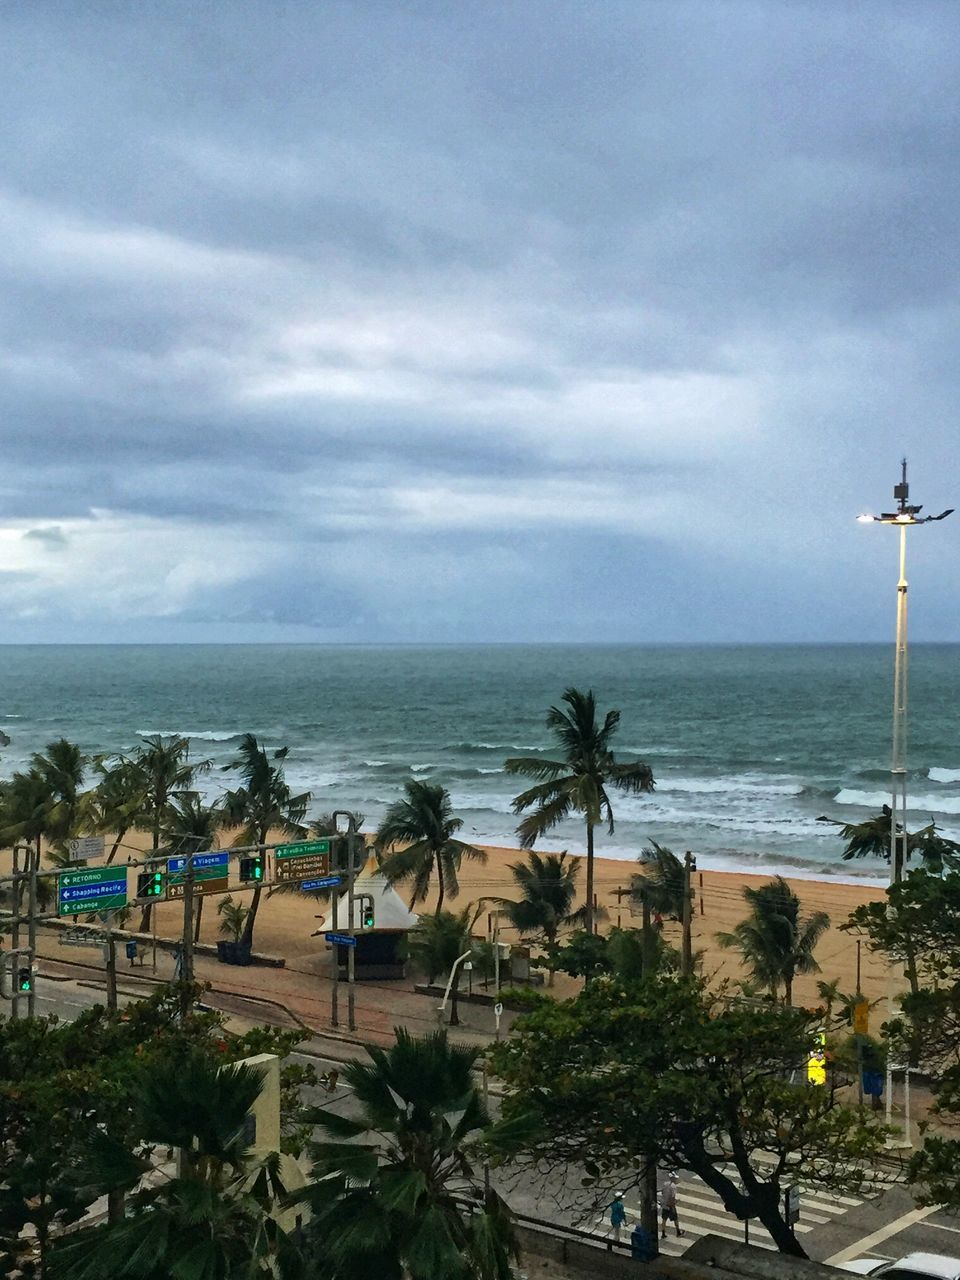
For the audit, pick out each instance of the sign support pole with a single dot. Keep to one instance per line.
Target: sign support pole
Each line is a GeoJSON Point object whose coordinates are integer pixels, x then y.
{"type": "Point", "coordinates": [111, 945]}
{"type": "Point", "coordinates": [335, 951]}
{"type": "Point", "coordinates": [15, 931]}
{"type": "Point", "coordinates": [34, 864]}
{"type": "Point", "coordinates": [186, 972]}
{"type": "Point", "coordinates": [351, 929]}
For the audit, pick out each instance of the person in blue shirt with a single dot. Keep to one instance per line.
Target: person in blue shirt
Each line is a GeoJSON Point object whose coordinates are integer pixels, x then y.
{"type": "Point", "coordinates": [618, 1215]}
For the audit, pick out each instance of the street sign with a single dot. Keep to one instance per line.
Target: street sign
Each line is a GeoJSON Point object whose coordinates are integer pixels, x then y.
{"type": "Point", "coordinates": [861, 1017]}
{"type": "Point", "coordinates": [301, 860]}
{"type": "Point", "coordinates": [326, 882]}
{"type": "Point", "coordinates": [95, 889]}
{"type": "Point", "coordinates": [84, 847]}
{"type": "Point", "coordinates": [340, 939]}
{"type": "Point", "coordinates": [791, 1205]}
{"type": "Point", "coordinates": [211, 874]}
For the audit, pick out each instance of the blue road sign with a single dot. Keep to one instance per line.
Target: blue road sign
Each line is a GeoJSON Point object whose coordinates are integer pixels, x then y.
{"type": "Point", "coordinates": [341, 939]}
{"type": "Point", "coordinates": [201, 862]}
{"type": "Point", "coordinates": [326, 882]}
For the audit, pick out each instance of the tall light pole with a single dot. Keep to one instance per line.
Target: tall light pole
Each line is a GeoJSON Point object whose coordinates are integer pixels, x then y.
{"type": "Point", "coordinates": [904, 516]}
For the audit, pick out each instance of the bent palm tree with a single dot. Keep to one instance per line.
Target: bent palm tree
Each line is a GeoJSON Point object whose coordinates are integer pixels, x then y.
{"type": "Point", "coordinates": [424, 823]}
{"type": "Point", "coordinates": [119, 797]}
{"type": "Point", "coordinates": [168, 771]}
{"type": "Point", "coordinates": [396, 1192]}
{"type": "Point", "coordinates": [774, 940]}
{"type": "Point", "coordinates": [190, 826]}
{"type": "Point", "coordinates": [664, 882]}
{"type": "Point", "coordinates": [263, 804]}
{"type": "Point", "coordinates": [548, 887]}
{"type": "Point", "coordinates": [437, 943]}
{"type": "Point", "coordinates": [578, 782]}
{"type": "Point", "coordinates": [872, 838]}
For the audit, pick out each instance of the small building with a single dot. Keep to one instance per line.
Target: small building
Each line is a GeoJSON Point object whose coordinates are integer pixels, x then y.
{"type": "Point", "coordinates": [379, 954]}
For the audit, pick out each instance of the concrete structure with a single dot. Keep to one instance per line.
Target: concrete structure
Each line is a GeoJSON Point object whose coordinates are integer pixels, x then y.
{"type": "Point", "coordinates": [379, 954]}
{"type": "Point", "coordinates": [264, 1133]}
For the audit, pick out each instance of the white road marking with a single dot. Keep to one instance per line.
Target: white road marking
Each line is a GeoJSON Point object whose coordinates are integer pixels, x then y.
{"type": "Point", "coordinates": [942, 1226]}
{"type": "Point", "coordinates": [866, 1243]}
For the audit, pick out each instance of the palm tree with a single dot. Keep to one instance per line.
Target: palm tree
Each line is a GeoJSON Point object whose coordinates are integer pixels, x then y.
{"type": "Point", "coordinates": [167, 771]}
{"type": "Point", "coordinates": [396, 1192]}
{"type": "Point", "coordinates": [234, 916]}
{"type": "Point", "coordinates": [548, 887]}
{"type": "Point", "coordinates": [871, 838]}
{"type": "Point", "coordinates": [47, 802]}
{"type": "Point", "coordinates": [424, 824]}
{"type": "Point", "coordinates": [215, 1217]}
{"type": "Point", "coordinates": [264, 803]}
{"type": "Point", "coordinates": [775, 942]}
{"type": "Point", "coordinates": [119, 796]}
{"type": "Point", "coordinates": [578, 782]}
{"type": "Point", "coordinates": [664, 882]}
{"type": "Point", "coordinates": [437, 943]}
{"type": "Point", "coordinates": [191, 826]}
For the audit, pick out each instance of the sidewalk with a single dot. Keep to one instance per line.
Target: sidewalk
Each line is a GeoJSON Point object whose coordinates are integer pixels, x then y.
{"type": "Point", "coordinates": [297, 995]}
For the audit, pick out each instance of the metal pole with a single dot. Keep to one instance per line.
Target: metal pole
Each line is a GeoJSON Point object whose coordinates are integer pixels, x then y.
{"type": "Point", "coordinates": [186, 951]}
{"type": "Point", "coordinates": [906, 1106]}
{"type": "Point", "coordinates": [686, 953]}
{"type": "Point", "coordinates": [34, 864]}
{"type": "Point", "coordinates": [898, 770]}
{"type": "Point", "coordinates": [111, 967]}
{"type": "Point", "coordinates": [15, 933]}
{"type": "Point", "coordinates": [335, 951]}
{"type": "Point", "coordinates": [352, 924]}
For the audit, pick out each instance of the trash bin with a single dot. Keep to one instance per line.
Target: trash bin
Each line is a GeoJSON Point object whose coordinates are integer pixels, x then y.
{"type": "Point", "coordinates": [226, 952]}
{"type": "Point", "coordinates": [131, 950]}
{"type": "Point", "coordinates": [642, 1247]}
{"type": "Point", "coordinates": [242, 953]}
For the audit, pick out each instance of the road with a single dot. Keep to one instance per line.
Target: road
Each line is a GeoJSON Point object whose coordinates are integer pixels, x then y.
{"type": "Point", "coordinates": [884, 1224]}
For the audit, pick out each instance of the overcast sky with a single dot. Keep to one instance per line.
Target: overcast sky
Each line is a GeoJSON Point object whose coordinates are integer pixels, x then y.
{"type": "Point", "coordinates": [464, 321]}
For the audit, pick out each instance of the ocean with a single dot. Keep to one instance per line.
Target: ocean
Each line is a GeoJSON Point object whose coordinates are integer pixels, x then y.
{"type": "Point", "coordinates": [748, 744]}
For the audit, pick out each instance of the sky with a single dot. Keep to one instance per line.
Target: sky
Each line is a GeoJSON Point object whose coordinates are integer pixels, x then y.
{"type": "Point", "coordinates": [440, 322]}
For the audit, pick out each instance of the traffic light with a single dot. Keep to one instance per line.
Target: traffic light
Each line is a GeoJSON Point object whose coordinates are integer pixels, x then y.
{"type": "Point", "coordinates": [251, 869]}
{"type": "Point", "coordinates": [149, 884]}
{"type": "Point", "coordinates": [25, 980]}
{"type": "Point", "coordinates": [367, 914]}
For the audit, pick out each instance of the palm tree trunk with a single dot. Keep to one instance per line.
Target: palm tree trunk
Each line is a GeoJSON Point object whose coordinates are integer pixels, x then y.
{"type": "Point", "coordinates": [246, 938]}
{"type": "Point", "coordinates": [441, 885]}
{"type": "Point", "coordinates": [788, 989]}
{"type": "Point", "coordinates": [196, 931]}
{"type": "Point", "coordinates": [589, 913]}
{"type": "Point", "coordinates": [148, 909]}
{"type": "Point", "coordinates": [116, 845]}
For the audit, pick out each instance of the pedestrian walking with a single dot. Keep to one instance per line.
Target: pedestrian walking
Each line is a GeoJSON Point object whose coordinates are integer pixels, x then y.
{"type": "Point", "coordinates": [668, 1207]}
{"type": "Point", "coordinates": [618, 1216]}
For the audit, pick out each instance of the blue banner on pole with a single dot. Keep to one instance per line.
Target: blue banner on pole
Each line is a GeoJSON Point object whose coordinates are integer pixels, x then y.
{"type": "Point", "coordinates": [341, 939]}
{"type": "Point", "coordinates": [325, 882]}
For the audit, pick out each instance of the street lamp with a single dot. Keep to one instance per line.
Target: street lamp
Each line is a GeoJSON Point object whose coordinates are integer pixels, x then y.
{"type": "Point", "coordinates": [904, 516]}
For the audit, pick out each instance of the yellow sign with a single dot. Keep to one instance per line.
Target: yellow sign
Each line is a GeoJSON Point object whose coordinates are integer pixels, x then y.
{"type": "Point", "coordinates": [861, 1018]}
{"type": "Point", "coordinates": [817, 1062]}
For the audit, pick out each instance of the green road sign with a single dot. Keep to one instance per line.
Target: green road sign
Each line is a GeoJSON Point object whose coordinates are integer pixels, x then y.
{"type": "Point", "coordinates": [303, 848]}
{"type": "Point", "coordinates": [303, 860]}
{"type": "Point", "coordinates": [95, 889]}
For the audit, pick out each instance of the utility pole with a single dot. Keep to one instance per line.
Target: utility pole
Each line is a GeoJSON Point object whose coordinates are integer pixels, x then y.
{"type": "Point", "coordinates": [345, 822]}
{"type": "Point", "coordinates": [110, 946]}
{"type": "Point", "coordinates": [186, 945]}
{"type": "Point", "coordinates": [15, 930]}
{"type": "Point", "coordinates": [32, 927]}
{"type": "Point", "coordinates": [686, 948]}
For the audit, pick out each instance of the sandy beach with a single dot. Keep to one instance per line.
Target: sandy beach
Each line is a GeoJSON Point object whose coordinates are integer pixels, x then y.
{"type": "Point", "coordinates": [286, 921]}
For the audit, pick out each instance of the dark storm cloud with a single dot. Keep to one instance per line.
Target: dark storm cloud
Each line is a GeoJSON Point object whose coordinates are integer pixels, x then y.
{"type": "Point", "coordinates": [566, 320]}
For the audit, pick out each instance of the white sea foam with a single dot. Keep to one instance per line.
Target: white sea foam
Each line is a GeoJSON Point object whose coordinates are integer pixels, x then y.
{"type": "Point", "coordinates": [944, 775]}
{"type": "Point", "coordinates": [201, 735]}
{"type": "Point", "coordinates": [932, 803]}
{"type": "Point", "coordinates": [728, 786]}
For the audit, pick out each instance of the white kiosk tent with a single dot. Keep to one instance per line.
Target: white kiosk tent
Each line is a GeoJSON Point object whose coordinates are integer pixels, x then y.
{"type": "Point", "coordinates": [378, 953]}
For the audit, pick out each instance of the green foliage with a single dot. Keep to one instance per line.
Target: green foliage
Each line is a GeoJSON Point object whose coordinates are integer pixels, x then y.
{"type": "Point", "coordinates": [872, 838]}
{"type": "Point", "coordinates": [389, 1190]}
{"type": "Point", "coordinates": [526, 998]}
{"type": "Point", "coordinates": [621, 952]}
{"type": "Point", "coordinates": [436, 943]}
{"type": "Point", "coordinates": [579, 781]}
{"type": "Point", "coordinates": [664, 1070]}
{"type": "Point", "coordinates": [233, 917]}
{"type": "Point", "coordinates": [919, 922]}
{"type": "Point", "coordinates": [775, 941]}
{"type": "Point", "coordinates": [548, 886]}
{"type": "Point", "coordinates": [663, 882]}
{"type": "Point", "coordinates": [261, 804]}
{"type": "Point", "coordinates": [423, 823]}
